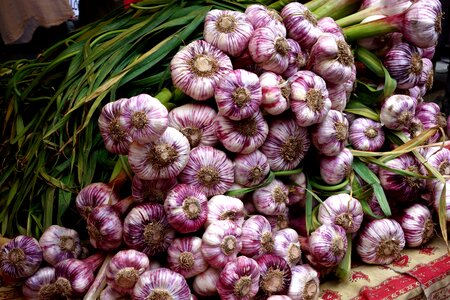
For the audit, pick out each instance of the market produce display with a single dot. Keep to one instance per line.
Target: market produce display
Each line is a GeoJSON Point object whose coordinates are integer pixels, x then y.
{"type": "Point", "coordinates": [222, 149]}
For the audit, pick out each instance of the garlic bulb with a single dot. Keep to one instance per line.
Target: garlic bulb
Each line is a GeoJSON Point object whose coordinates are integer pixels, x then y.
{"type": "Point", "coordinates": [146, 229]}
{"type": "Point", "coordinates": [124, 270]}
{"type": "Point", "coordinates": [262, 16]}
{"type": "Point", "coordinates": [342, 210]}
{"type": "Point", "coordinates": [429, 114]}
{"type": "Point", "coordinates": [238, 95]}
{"type": "Point", "coordinates": [109, 293]}
{"type": "Point", "coordinates": [297, 189]}
{"type": "Point", "coordinates": [269, 48]}
{"type": "Point", "coordinates": [221, 207]}
{"type": "Point", "coordinates": [93, 195]}
{"type": "Point", "coordinates": [197, 68]}
{"type": "Point", "coordinates": [338, 96]}
{"type": "Point", "coordinates": [279, 221]}
{"type": "Point", "coordinates": [257, 237]}
{"type": "Point", "coordinates": [328, 244]}
{"type": "Point", "coordinates": [205, 284]}
{"type": "Point", "coordinates": [250, 169]}
{"type": "Point", "coordinates": [380, 242]}
{"type": "Point", "coordinates": [297, 58]}
{"type": "Point", "coordinates": [239, 279]}
{"type": "Point", "coordinates": [272, 198]}
{"type": "Point", "coordinates": [161, 159]}
{"type": "Point", "coordinates": [40, 285]}
{"type": "Point", "coordinates": [304, 283]}
{"type": "Point", "coordinates": [309, 98]}
{"type": "Point", "coordinates": [115, 136]}
{"type": "Point", "coordinates": [151, 190]}
{"type": "Point", "coordinates": [287, 246]}
{"type": "Point", "coordinates": [427, 76]}
{"type": "Point", "coordinates": [186, 208]}
{"type": "Point", "coordinates": [397, 112]}
{"type": "Point", "coordinates": [161, 283]}
{"type": "Point", "coordinates": [334, 169]}
{"type": "Point", "coordinates": [275, 93]}
{"type": "Point", "coordinates": [330, 136]}
{"type": "Point", "coordinates": [275, 275]}
{"type": "Point", "coordinates": [196, 122]}
{"type": "Point", "coordinates": [286, 144]}
{"type": "Point", "coordinates": [144, 118]}
{"type": "Point", "coordinates": [437, 188]}
{"type": "Point", "coordinates": [59, 243]}
{"type": "Point", "coordinates": [329, 25]}
{"type": "Point", "coordinates": [20, 257]}
{"type": "Point", "coordinates": [417, 224]}
{"type": "Point", "coordinates": [185, 256]}
{"type": "Point", "coordinates": [301, 24]}
{"type": "Point", "coordinates": [243, 136]}
{"type": "Point", "coordinates": [366, 134]}
{"type": "Point", "coordinates": [440, 159]}
{"type": "Point", "coordinates": [208, 169]}
{"type": "Point", "coordinates": [221, 242]}
{"type": "Point", "coordinates": [230, 31]}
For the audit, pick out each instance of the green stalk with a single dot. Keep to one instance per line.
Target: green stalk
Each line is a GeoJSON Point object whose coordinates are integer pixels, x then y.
{"type": "Point", "coordinates": [371, 29]}
{"type": "Point", "coordinates": [164, 96]}
{"type": "Point", "coordinates": [332, 7]}
{"type": "Point", "coordinates": [350, 9]}
{"type": "Point", "coordinates": [281, 3]}
{"type": "Point", "coordinates": [357, 17]}
{"type": "Point", "coordinates": [315, 4]}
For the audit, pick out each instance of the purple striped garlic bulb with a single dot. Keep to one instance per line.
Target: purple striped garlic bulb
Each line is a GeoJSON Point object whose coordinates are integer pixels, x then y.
{"type": "Point", "coordinates": [115, 136]}
{"type": "Point", "coordinates": [427, 76]}
{"type": "Point", "coordinates": [309, 98]}
{"type": "Point", "coordinates": [208, 169]}
{"type": "Point", "coordinates": [238, 95]}
{"type": "Point", "coordinates": [243, 136]}
{"type": "Point", "coordinates": [366, 134]}
{"type": "Point", "coordinates": [59, 243]}
{"type": "Point", "coordinates": [221, 207]}
{"type": "Point", "coordinates": [20, 257]}
{"type": "Point", "coordinates": [329, 25]}
{"type": "Point", "coordinates": [330, 136]}
{"type": "Point", "coordinates": [40, 285]}
{"type": "Point", "coordinates": [297, 59]}
{"type": "Point", "coordinates": [334, 169]}
{"type": "Point", "coordinates": [275, 276]}
{"type": "Point", "coordinates": [239, 279]}
{"type": "Point", "coordinates": [161, 159]}
{"type": "Point", "coordinates": [417, 224]}
{"type": "Point", "coordinates": [197, 68]}
{"type": "Point", "coordinates": [437, 188]}
{"type": "Point", "coordinates": [151, 190]}
{"type": "Point", "coordinates": [338, 96]}
{"type": "Point", "coordinates": [205, 284]}
{"type": "Point", "coordinates": [251, 169]}
{"type": "Point", "coordinates": [262, 16]}
{"type": "Point", "coordinates": [286, 145]}
{"type": "Point", "coordinates": [429, 114]}
{"type": "Point", "coordinates": [93, 195]}
{"type": "Point", "coordinates": [301, 24]}
{"type": "Point", "coordinates": [230, 31]}
{"type": "Point", "coordinates": [342, 210]}
{"type": "Point", "coordinates": [332, 59]}
{"type": "Point", "coordinates": [275, 93]}
{"type": "Point", "coordinates": [196, 122]}
{"type": "Point", "coordinates": [279, 221]}
{"type": "Point", "coordinates": [287, 246]}
{"type": "Point", "coordinates": [271, 199]}
{"type": "Point", "coordinates": [269, 49]}
{"type": "Point", "coordinates": [328, 244]}
{"type": "Point", "coordinates": [304, 283]}
{"type": "Point", "coordinates": [397, 111]}
{"type": "Point", "coordinates": [144, 118]}
{"type": "Point", "coordinates": [161, 283]}
{"type": "Point", "coordinates": [297, 189]}
{"type": "Point", "coordinates": [185, 256]}
{"type": "Point", "coordinates": [404, 63]}
{"type": "Point", "coordinates": [380, 242]}
{"type": "Point", "coordinates": [439, 159]}
{"type": "Point", "coordinates": [257, 237]}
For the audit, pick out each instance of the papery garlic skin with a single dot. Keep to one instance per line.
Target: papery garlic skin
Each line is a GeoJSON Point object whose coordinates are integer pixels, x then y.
{"type": "Point", "coordinates": [397, 112]}
{"type": "Point", "coordinates": [279, 221]}
{"type": "Point", "coordinates": [105, 228]}
{"type": "Point", "coordinates": [186, 208]}
{"type": "Point", "coordinates": [20, 257]}
{"type": "Point", "coordinates": [329, 25]}
{"type": "Point", "coordinates": [297, 189]}
{"type": "Point", "coordinates": [59, 243]}
{"type": "Point", "coordinates": [262, 16]}
{"type": "Point", "coordinates": [430, 115]}
{"type": "Point", "coordinates": [301, 24]}
{"type": "Point", "coordinates": [330, 136]}
{"type": "Point", "coordinates": [196, 122]}
{"type": "Point", "coordinates": [250, 169]}
{"type": "Point", "coordinates": [427, 76]}
{"type": "Point", "coordinates": [271, 199]}
{"type": "Point", "coordinates": [230, 31]}
{"type": "Point", "coordinates": [197, 68]}
{"type": "Point", "coordinates": [185, 256]}
{"type": "Point", "coordinates": [439, 159]}
{"type": "Point", "coordinates": [366, 134]}
{"type": "Point", "coordinates": [124, 270]}
{"type": "Point", "coordinates": [275, 275]}
{"type": "Point", "coordinates": [161, 284]}
{"type": "Point", "coordinates": [437, 188]}
{"type": "Point", "coordinates": [404, 63]}
{"type": "Point", "coordinates": [297, 58]}
{"type": "Point", "coordinates": [205, 284]}
{"type": "Point", "coordinates": [39, 285]}
{"type": "Point", "coordinates": [334, 169]}
{"type": "Point", "coordinates": [243, 136]}
{"type": "Point", "coordinates": [146, 229]}
{"type": "Point", "coordinates": [338, 96]}
{"type": "Point", "coordinates": [257, 237]}
{"type": "Point", "coordinates": [221, 242]}
{"type": "Point", "coordinates": [287, 246]}
{"type": "Point", "coordinates": [304, 283]}
{"type": "Point", "coordinates": [269, 48]}
{"type": "Point", "coordinates": [239, 279]}
{"type": "Point", "coordinates": [328, 244]}
{"type": "Point", "coordinates": [275, 93]}
{"type": "Point", "coordinates": [342, 210]}
{"type": "Point", "coordinates": [109, 293]}
{"type": "Point", "coordinates": [151, 190]}
{"type": "Point", "coordinates": [380, 242]}
{"type": "Point", "coordinates": [93, 195]}
{"type": "Point", "coordinates": [144, 118]}
{"type": "Point", "coordinates": [238, 95]}
{"type": "Point", "coordinates": [309, 98]}
{"type": "Point", "coordinates": [221, 207]}
{"type": "Point", "coordinates": [286, 145]}
{"type": "Point", "coordinates": [115, 136]}
{"type": "Point", "coordinates": [417, 224]}
{"type": "Point", "coordinates": [208, 169]}
{"type": "Point", "coordinates": [161, 159]}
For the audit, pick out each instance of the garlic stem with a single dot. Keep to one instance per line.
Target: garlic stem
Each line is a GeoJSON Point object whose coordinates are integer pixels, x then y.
{"type": "Point", "coordinates": [332, 7]}
{"type": "Point", "coordinates": [374, 28]}
{"type": "Point", "coordinates": [99, 282]}
{"type": "Point", "coordinates": [314, 4]}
